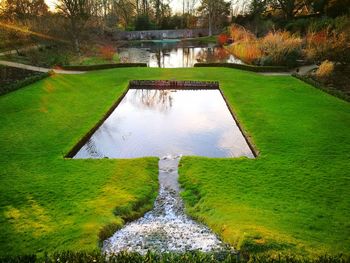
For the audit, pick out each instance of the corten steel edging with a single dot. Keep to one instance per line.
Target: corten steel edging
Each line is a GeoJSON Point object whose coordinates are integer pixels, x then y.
{"type": "Point", "coordinates": [88, 135]}
{"type": "Point", "coordinates": [161, 84]}
{"type": "Point", "coordinates": [173, 84]}
{"type": "Point", "coordinates": [235, 118]}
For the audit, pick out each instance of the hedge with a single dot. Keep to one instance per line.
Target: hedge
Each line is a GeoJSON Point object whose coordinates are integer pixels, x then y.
{"type": "Point", "coordinates": [22, 83]}
{"type": "Point", "coordinates": [318, 85]}
{"type": "Point", "coordinates": [244, 67]}
{"type": "Point", "coordinates": [188, 257]}
{"type": "Point", "coordinates": [103, 66]}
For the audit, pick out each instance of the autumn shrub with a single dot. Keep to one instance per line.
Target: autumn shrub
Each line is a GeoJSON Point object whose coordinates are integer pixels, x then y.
{"type": "Point", "coordinates": [325, 69]}
{"type": "Point", "coordinates": [328, 45]}
{"type": "Point", "coordinates": [245, 46]}
{"type": "Point", "coordinates": [239, 33]}
{"type": "Point", "coordinates": [276, 48]}
{"type": "Point", "coordinates": [280, 48]}
{"type": "Point", "coordinates": [107, 52]}
{"type": "Point", "coordinates": [223, 39]}
{"type": "Point", "coordinates": [248, 51]}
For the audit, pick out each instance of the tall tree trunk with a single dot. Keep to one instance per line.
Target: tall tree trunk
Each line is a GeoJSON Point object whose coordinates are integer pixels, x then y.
{"type": "Point", "coordinates": [210, 18]}
{"type": "Point", "coordinates": [76, 36]}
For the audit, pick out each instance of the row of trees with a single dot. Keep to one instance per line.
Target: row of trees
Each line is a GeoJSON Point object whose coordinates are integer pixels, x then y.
{"type": "Point", "coordinates": [260, 16]}
{"type": "Point", "coordinates": [102, 15]}
{"type": "Point", "coordinates": [289, 9]}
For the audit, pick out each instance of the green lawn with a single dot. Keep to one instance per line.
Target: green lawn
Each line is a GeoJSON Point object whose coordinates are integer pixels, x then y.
{"type": "Point", "coordinates": [295, 195]}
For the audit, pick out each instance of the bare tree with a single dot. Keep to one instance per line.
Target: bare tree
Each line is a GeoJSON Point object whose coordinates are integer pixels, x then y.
{"type": "Point", "coordinates": [216, 12]}
{"type": "Point", "coordinates": [78, 12]}
{"type": "Point", "coordinates": [290, 8]}
{"type": "Point", "coordinates": [23, 10]}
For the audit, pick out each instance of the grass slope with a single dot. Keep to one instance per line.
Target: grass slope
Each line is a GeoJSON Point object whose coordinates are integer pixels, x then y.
{"type": "Point", "coordinates": [51, 203]}
{"type": "Point", "coordinates": [294, 196]}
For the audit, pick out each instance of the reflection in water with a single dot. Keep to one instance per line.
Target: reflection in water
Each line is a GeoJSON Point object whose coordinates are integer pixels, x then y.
{"type": "Point", "coordinates": [170, 55]}
{"type": "Point", "coordinates": [156, 99]}
{"type": "Point", "coordinates": [161, 122]}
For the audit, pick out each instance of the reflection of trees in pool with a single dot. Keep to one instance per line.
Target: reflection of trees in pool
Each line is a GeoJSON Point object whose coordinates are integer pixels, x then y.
{"type": "Point", "coordinates": [160, 100]}
{"type": "Point", "coordinates": [217, 54]}
{"type": "Point", "coordinates": [92, 149]}
{"type": "Point", "coordinates": [174, 56]}
{"type": "Point", "coordinates": [191, 55]}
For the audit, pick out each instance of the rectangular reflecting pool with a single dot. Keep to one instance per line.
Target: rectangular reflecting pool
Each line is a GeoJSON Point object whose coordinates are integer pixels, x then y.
{"type": "Point", "coordinates": [160, 122]}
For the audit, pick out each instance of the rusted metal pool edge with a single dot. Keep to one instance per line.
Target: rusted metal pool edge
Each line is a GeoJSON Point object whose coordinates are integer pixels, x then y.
{"type": "Point", "coordinates": [161, 84]}
{"type": "Point", "coordinates": [251, 145]}
{"type": "Point", "coordinates": [87, 136]}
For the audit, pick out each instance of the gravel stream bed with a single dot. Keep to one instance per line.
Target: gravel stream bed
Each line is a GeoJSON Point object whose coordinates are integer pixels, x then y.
{"type": "Point", "coordinates": [166, 228]}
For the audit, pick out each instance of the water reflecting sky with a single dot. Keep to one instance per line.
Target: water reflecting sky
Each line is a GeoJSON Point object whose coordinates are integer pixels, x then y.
{"type": "Point", "coordinates": [151, 122]}
{"type": "Point", "coordinates": [174, 55]}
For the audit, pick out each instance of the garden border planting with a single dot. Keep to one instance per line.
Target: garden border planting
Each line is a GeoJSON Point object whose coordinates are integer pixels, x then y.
{"type": "Point", "coordinates": [22, 83]}
{"type": "Point", "coordinates": [317, 85]}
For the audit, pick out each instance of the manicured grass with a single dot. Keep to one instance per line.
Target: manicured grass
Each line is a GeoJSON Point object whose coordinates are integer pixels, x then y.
{"type": "Point", "coordinates": [293, 196]}
{"type": "Point", "coordinates": [51, 203]}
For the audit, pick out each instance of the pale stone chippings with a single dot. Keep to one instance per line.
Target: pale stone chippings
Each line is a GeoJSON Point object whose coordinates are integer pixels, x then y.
{"type": "Point", "coordinates": [166, 228]}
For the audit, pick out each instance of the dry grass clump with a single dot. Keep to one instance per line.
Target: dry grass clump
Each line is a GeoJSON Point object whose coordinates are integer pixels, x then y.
{"type": "Point", "coordinates": [245, 46]}
{"type": "Point", "coordinates": [325, 69]}
{"type": "Point", "coordinates": [329, 45]}
{"type": "Point", "coordinates": [276, 48]}
{"type": "Point", "coordinates": [247, 51]}
{"type": "Point", "coordinates": [280, 45]}
{"type": "Point", "coordinates": [239, 33]}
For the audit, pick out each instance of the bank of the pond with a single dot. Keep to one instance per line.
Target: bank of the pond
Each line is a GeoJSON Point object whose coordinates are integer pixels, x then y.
{"type": "Point", "coordinates": [292, 197]}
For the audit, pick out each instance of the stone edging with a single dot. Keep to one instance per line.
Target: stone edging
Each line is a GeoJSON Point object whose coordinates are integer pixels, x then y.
{"type": "Point", "coordinates": [159, 84]}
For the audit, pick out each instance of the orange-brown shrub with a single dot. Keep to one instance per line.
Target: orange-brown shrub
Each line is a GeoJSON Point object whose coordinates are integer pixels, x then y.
{"type": "Point", "coordinates": [325, 69]}
{"type": "Point", "coordinates": [107, 52]}
{"type": "Point", "coordinates": [248, 51]}
{"type": "Point", "coordinates": [328, 45]}
{"type": "Point", "coordinates": [239, 33]}
{"type": "Point", "coordinates": [245, 46]}
{"type": "Point", "coordinates": [222, 39]}
{"type": "Point", "coordinates": [281, 47]}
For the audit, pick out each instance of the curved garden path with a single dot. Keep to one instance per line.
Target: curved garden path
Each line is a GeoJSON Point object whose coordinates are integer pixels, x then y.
{"type": "Point", "coordinates": [39, 69]}
{"type": "Point", "coordinates": [302, 70]}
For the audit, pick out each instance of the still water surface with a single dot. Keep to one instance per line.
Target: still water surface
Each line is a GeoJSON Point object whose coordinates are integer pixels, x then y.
{"type": "Point", "coordinates": [174, 55]}
{"type": "Point", "coordinates": [153, 122]}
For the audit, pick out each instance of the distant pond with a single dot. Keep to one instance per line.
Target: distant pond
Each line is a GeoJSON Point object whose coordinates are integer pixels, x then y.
{"type": "Point", "coordinates": [174, 54]}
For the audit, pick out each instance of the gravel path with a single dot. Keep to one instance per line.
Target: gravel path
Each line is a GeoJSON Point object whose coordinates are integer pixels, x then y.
{"type": "Point", "coordinates": [166, 228]}
{"type": "Point", "coordinates": [39, 69]}
{"type": "Point", "coordinates": [302, 70]}
{"type": "Point", "coordinates": [11, 52]}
